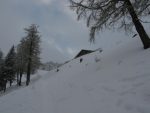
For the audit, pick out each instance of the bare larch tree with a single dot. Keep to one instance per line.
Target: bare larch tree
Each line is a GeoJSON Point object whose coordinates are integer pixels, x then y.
{"type": "Point", "coordinates": [102, 14]}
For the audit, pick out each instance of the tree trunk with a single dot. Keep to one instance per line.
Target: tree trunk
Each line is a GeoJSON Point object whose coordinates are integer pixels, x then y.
{"type": "Point", "coordinates": [17, 77]}
{"type": "Point", "coordinates": [10, 83]}
{"type": "Point", "coordinates": [139, 27]}
{"type": "Point", "coordinates": [4, 85]}
{"type": "Point", "coordinates": [28, 72]}
{"type": "Point", "coordinates": [20, 78]}
{"type": "Point", "coordinates": [29, 65]}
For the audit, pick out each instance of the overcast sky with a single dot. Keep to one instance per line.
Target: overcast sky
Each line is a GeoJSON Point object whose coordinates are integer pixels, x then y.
{"type": "Point", "coordinates": [62, 35]}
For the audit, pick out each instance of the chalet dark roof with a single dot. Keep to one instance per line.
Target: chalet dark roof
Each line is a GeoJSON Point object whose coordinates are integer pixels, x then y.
{"type": "Point", "coordinates": [83, 52]}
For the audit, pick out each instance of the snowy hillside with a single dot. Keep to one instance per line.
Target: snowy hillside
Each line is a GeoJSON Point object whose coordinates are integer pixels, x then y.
{"type": "Point", "coordinates": [114, 81]}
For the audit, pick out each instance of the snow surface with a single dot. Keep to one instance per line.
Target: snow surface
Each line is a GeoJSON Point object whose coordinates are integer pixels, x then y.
{"type": "Point", "coordinates": [114, 81]}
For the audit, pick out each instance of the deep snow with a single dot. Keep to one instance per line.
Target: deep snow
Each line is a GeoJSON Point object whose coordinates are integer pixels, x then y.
{"type": "Point", "coordinates": [119, 82]}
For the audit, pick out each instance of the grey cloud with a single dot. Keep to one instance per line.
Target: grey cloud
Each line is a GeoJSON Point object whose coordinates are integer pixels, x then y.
{"type": "Point", "coordinates": [62, 35]}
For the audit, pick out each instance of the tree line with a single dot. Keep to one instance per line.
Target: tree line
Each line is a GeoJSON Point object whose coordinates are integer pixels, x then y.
{"type": "Point", "coordinates": [21, 59]}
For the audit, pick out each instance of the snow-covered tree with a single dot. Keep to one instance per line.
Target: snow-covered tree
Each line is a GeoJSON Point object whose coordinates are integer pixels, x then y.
{"type": "Point", "coordinates": [1, 61]}
{"type": "Point", "coordinates": [21, 60]}
{"type": "Point", "coordinates": [8, 68]}
{"type": "Point", "coordinates": [1, 54]}
{"type": "Point", "coordinates": [1, 67]}
{"type": "Point", "coordinates": [113, 13]}
{"type": "Point", "coordinates": [1, 58]}
{"type": "Point", "coordinates": [32, 47]}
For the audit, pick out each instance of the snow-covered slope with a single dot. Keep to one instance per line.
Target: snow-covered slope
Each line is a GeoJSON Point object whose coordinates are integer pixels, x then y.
{"type": "Point", "coordinates": [115, 81]}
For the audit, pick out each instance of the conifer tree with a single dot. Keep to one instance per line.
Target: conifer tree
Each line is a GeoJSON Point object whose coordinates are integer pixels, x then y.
{"type": "Point", "coordinates": [9, 66]}
{"type": "Point", "coordinates": [21, 60]}
{"type": "Point", "coordinates": [32, 50]}
{"type": "Point", "coordinates": [1, 67]}
{"type": "Point", "coordinates": [1, 58]}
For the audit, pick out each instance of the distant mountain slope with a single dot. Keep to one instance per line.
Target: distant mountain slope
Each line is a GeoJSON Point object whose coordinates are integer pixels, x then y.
{"type": "Point", "coordinates": [114, 81]}
{"type": "Point", "coordinates": [49, 66]}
